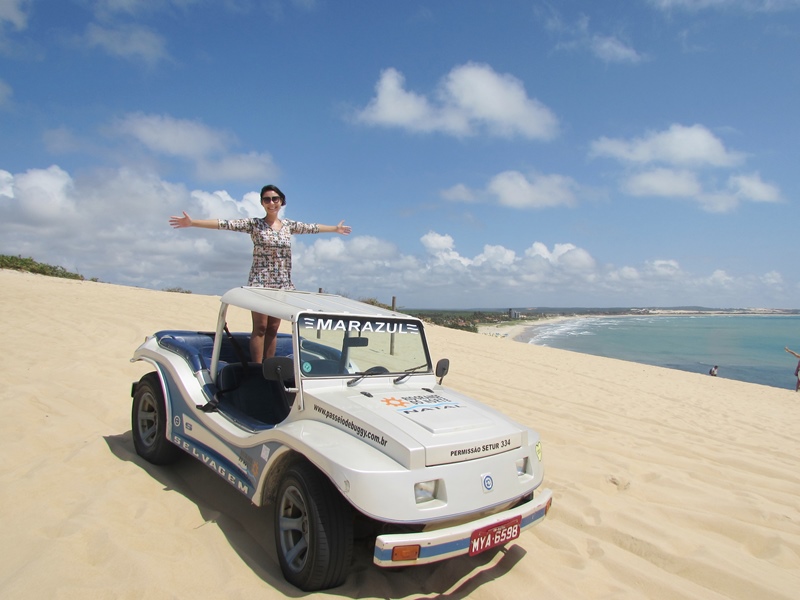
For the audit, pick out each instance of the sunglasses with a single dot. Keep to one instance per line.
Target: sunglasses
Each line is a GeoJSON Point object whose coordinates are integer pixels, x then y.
{"type": "Point", "coordinates": [268, 199]}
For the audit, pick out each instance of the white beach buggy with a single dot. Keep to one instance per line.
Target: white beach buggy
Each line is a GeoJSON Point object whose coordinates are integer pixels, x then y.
{"type": "Point", "coordinates": [346, 426]}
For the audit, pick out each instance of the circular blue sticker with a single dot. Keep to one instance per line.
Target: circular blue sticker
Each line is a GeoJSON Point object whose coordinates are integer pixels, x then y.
{"type": "Point", "coordinates": [307, 367]}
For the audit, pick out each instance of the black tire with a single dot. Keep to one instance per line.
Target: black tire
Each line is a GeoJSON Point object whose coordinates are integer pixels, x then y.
{"type": "Point", "coordinates": [149, 423]}
{"type": "Point", "coordinates": [313, 529]}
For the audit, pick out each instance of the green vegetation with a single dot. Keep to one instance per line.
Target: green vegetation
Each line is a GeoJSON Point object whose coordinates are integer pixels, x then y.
{"type": "Point", "coordinates": [18, 263]}
{"type": "Point", "coordinates": [179, 290]}
{"type": "Point", "coordinates": [466, 320]}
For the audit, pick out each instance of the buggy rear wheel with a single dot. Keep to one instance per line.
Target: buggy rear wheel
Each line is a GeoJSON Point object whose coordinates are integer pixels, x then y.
{"type": "Point", "coordinates": [149, 422]}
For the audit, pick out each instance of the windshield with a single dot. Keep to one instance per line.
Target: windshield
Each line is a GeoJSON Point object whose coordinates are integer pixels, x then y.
{"type": "Point", "coordinates": [337, 345]}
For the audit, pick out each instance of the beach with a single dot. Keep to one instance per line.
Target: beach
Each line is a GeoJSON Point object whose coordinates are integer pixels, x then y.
{"type": "Point", "coordinates": [666, 484]}
{"type": "Point", "coordinates": [747, 346]}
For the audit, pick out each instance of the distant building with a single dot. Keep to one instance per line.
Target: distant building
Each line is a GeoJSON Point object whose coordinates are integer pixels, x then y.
{"type": "Point", "coordinates": [513, 314]}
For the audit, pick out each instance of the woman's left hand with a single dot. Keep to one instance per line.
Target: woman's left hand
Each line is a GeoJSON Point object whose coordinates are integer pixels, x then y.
{"type": "Point", "coordinates": [343, 229]}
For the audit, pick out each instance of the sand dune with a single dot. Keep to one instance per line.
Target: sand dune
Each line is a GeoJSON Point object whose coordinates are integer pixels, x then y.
{"type": "Point", "coordinates": [667, 484]}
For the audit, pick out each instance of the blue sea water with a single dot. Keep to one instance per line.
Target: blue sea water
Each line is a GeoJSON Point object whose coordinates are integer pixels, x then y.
{"type": "Point", "coordinates": [745, 347]}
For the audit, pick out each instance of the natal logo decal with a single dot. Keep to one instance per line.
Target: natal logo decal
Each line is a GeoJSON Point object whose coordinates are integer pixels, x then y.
{"type": "Point", "coordinates": [418, 404]}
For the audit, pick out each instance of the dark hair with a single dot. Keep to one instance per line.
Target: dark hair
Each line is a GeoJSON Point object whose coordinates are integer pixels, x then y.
{"type": "Point", "coordinates": [274, 188]}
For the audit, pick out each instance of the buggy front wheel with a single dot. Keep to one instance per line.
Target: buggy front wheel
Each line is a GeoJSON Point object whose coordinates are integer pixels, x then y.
{"type": "Point", "coordinates": [313, 529]}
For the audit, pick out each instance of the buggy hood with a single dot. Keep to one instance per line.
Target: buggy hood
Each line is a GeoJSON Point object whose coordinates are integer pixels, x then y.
{"type": "Point", "coordinates": [447, 426]}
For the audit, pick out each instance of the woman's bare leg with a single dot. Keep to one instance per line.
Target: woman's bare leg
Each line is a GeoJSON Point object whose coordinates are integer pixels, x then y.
{"type": "Point", "coordinates": [271, 336]}
{"type": "Point", "coordinates": [257, 337]}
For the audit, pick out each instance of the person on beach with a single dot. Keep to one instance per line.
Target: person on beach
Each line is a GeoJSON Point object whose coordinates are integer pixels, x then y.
{"type": "Point", "coordinates": [713, 371]}
{"type": "Point", "coordinates": [796, 369]}
{"type": "Point", "coordinates": [272, 257]}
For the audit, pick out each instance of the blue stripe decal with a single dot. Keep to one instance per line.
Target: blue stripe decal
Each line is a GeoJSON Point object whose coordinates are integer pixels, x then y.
{"type": "Point", "coordinates": [533, 517]}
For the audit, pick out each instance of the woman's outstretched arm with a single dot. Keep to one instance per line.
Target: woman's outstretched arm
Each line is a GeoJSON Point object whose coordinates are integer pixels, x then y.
{"type": "Point", "coordinates": [340, 228]}
{"type": "Point", "coordinates": [187, 221]}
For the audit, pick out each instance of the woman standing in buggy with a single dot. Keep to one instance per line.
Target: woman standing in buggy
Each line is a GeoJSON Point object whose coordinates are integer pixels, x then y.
{"type": "Point", "coordinates": [272, 256]}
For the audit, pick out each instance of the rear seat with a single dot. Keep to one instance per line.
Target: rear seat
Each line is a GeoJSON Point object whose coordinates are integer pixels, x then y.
{"type": "Point", "coordinates": [240, 387]}
{"type": "Point", "coordinates": [194, 346]}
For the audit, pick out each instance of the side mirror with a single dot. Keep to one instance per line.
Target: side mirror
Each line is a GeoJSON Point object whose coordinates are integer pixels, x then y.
{"type": "Point", "coordinates": [278, 368]}
{"type": "Point", "coordinates": [442, 368]}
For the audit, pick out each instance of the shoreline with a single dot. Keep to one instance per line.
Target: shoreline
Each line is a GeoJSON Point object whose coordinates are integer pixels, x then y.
{"type": "Point", "coordinates": [767, 370]}
{"type": "Point", "coordinates": [515, 330]}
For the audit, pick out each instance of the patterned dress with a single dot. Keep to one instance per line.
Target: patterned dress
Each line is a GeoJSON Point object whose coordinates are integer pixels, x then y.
{"type": "Point", "coordinates": [272, 250]}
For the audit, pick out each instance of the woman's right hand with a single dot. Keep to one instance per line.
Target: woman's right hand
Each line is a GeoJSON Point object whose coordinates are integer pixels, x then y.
{"type": "Point", "coordinates": [178, 222]}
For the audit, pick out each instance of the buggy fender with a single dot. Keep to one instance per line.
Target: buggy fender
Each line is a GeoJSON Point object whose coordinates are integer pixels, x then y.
{"type": "Point", "coordinates": [383, 489]}
{"type": "Point", "coordinates": [341, 457]}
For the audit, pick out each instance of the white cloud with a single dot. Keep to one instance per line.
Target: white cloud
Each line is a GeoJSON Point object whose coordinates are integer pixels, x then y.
{"type": "Point", "coordinates": [612, 50]}
{"type": "Point", "coordinates": [746, 5]}
{"type": "Point", "coordinates": [663, 182]}
{"type": "Point", "coordinates": [104, 8]}
{"type": "Point", "coordinates": [721, 278]}
{"type": "Point", "coordinates": [112, 224]}
{"type": "Point", "coordinates": [567, 256]}
{"type": "Point", "coordinates": [772, 279]}
{"type": "Point", "coordinates": [679, 145]}
{"type": "Point", "coordinates": [14, 12]}
{"type": "Point", "coordinates": [689, 153]}
{"type": "Point", "coordinates": [436, 243]}
{"type": "Point", "coordinates": [717, 202]}
{"type": "Point", "coordinates": [41, 195]}
{"type": "Point", "coordinates": [661, 268]}
{"type": "Point", "coordinates": [624, 274]}
{"type": "Point", "coordinates": [190, 140]}
{"type": "Point", "coordinates": [442, 248]}
{"type": "Point", "coordinates": [394, 106]}
{"type": "Point", "coordinates": [175, 137]}
{"type": "Point", "coordinates": [6, 184]}
{"type": "Point", "coordinates": [238, 167]}
{"type": "Point", "coordinates": [499, 102]}
{"type": "Point", "coordinates": [672, 183]}
{"type": "Point", "coordinates": [472, 98]}
{"type": "Point", "coordinates": [496, 257]}
{"type": "Point", "coordinates": [221, 205]}
{"type": "Point", "coordinates": [5, 94]}
{"type": "Point", "coordinates": [692, 4]}
{"type": "Point", "coordinates": [459, 193]}
{"type": "Point", "coordinates": [751, 187]}
{"type": "Point", "coordinates": [515, 190]}
{"type": "Point", "coordinates": [608, 48]}
{"type": "Point", "coordinates": [127, 41]}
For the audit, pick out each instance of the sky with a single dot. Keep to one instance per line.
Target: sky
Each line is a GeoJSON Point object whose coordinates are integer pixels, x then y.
{"type": "Point", "coordinates": [518, 153]}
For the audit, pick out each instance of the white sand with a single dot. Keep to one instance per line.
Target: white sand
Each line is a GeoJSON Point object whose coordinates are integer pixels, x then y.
{"type": "Point", "coordinates": [667, 484]}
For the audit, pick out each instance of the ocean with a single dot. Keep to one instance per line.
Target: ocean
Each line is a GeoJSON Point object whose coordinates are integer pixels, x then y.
{"type": "Point", "coordinates": [745, 347]}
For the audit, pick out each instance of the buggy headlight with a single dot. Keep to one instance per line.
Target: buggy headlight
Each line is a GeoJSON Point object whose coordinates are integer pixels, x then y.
{"type": "Point", "coordinates": [425, 491]}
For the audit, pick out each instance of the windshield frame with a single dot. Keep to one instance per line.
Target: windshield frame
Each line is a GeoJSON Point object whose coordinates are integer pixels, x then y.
{"type": "Point", "coordinates": [327, 338]}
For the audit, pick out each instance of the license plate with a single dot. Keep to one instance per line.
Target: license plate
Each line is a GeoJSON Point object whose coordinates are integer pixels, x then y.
{"type": "Point", "coordinates": [495, 535]}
